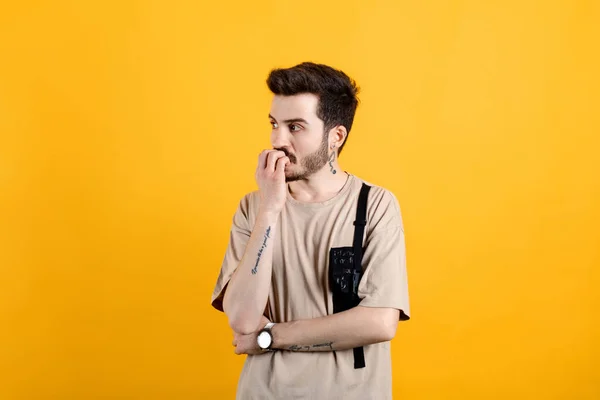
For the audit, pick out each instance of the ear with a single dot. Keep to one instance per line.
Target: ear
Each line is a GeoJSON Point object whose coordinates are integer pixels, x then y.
{"type": "Point", "coordinates": [337, 136]}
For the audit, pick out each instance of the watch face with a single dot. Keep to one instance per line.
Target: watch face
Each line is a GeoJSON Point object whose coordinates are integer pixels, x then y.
{"type": "Point", "coordinates": [264, 340]}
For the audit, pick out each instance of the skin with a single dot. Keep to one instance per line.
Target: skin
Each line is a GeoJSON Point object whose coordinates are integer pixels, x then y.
{"type": "Point", "coordinates": [308, 147]}
{"type": "Point", "coordinates": [303, 162]}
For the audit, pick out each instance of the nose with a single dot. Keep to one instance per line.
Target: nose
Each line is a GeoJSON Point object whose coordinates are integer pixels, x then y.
{"type": "Point", "coordinates": [279, 139]}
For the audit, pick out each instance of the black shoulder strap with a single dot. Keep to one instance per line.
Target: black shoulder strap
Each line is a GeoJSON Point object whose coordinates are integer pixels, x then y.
{"type": "Point", "coordinates": [359, 225]}
{"type": "Point", "coordinates": [359, 230]}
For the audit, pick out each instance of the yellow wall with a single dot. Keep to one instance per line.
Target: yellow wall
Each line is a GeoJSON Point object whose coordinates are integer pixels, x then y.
{"type": "Point", "coordinates": [129, 131]}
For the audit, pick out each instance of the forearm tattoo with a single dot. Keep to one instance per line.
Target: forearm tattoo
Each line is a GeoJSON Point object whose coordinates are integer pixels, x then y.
{"type": "Point", "coordinates": [264, 245]}
{"type": "Point", "coordinates": [314, 347]}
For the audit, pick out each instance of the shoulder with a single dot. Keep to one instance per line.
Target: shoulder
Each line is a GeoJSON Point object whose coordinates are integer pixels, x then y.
{"type": "Point", "coordinates": [249, 200]}
{"type": "Point", "coordinates": [380, 197]}
{"type": "Point", "coordinates": [248, 206]}
{"type": "Point", "coordinates": [383, 207]}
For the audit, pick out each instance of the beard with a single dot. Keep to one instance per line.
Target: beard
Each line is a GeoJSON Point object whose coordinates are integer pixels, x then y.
{"type": "Point", "coordinates": [310, 164]}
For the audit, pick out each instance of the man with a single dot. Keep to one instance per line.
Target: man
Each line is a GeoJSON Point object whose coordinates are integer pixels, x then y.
{"type": "Point", "coordinates": [284, 238]}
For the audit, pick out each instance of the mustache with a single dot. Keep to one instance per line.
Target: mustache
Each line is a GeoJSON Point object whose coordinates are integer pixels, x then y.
{"type": "Point", "coordinates": [288, 155]}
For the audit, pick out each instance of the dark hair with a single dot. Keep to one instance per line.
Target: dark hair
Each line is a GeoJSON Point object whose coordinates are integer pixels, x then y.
{"type": "Point", "coordinates": [336, 91]}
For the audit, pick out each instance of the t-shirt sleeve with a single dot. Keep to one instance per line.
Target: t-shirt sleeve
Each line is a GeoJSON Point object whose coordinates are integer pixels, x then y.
{"type": "Point", "coordinates": [384, 281]}
{"type": "Point", "coordinates": [238, 239]}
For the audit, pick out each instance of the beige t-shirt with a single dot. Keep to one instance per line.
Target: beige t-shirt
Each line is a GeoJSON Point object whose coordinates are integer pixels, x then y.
{"type": "Point", "coordinates": [300, 290]}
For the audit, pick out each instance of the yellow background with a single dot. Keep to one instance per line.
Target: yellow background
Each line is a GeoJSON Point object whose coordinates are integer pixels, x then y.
{"type": "Point", "coordinates": [130, 130]}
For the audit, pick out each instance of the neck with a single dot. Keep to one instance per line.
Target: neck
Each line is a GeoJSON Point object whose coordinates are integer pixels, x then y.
{"type": "Point", "coordinates": [321, 186]}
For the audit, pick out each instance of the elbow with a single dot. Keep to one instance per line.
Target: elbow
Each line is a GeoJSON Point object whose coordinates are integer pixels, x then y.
{"type": "Point", "coordinates": [239, 321]}
{"type": "Point", "coordinates": [241, 326]}
{"type": "Point", "coordinates": [388, 323]}
{"type": "Point", "coordinates": [388, 333]}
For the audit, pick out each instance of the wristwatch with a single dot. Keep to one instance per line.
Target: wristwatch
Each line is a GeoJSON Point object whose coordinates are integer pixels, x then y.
{"type": "Point", "coordinates": [264, 339]}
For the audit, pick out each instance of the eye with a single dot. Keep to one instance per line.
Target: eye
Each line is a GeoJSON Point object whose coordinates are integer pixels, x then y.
{"type": "Point", "coordinates": [274, 124]}
{"type": "Point", "coordinates": [295, 128]}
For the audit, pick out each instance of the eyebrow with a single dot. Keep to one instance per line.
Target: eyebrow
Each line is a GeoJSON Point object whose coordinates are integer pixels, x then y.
{"type": "Point", "coordinates": [288, 121]}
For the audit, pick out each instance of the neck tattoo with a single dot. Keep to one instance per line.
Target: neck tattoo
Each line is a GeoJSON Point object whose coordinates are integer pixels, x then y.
{"type": "Point", "coordinates": [331, 160]}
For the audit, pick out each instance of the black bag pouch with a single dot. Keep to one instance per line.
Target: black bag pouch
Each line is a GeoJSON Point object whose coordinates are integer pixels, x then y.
{"type": "Point", "coordinates": [344, 278]}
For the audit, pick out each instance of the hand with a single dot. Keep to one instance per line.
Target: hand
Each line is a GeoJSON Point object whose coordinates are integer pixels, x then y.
{"type": "Point", "coordinates": [246, 344]}
{"type": "Point", "coordinates": [270, 177]}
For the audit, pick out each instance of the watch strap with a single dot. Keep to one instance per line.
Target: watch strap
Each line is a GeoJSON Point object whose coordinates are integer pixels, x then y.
{"type": "Point", "coordinates": [269, 326]}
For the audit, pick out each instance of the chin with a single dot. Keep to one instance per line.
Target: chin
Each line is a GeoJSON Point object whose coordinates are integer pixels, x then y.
{"type": "Point", "coordinates": [293, 177]}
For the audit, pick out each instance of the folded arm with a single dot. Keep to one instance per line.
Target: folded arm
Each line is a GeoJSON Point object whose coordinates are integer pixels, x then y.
{"type": "Point", "coordinates": [358, 326]}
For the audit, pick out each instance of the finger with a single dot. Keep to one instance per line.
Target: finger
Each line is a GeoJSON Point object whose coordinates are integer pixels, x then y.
{"type": "Point", "coordinates": [281, 163]}
{"type": "Point", "coordinates": [273, 158]}
{"type": "Point", "coordinates": [262, 158]}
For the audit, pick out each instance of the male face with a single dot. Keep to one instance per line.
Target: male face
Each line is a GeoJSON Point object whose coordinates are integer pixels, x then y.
{"type": "Point", "coordinates": [299, 133]}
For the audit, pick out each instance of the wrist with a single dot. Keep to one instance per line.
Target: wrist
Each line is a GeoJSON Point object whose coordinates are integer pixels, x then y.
{"type": "Point", "coordinates": [275, 334]}
{"type": "Point", "coordinates": [268, 216]}
{"type": "Point", "coordinates": [279, 333]}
